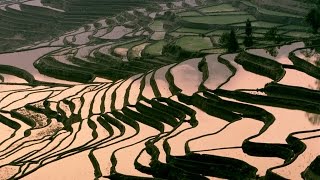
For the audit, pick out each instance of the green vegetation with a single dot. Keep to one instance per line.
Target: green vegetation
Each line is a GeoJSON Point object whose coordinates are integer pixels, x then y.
{"type": "Point", "coordinates": [248, 40]}
{"type": "Point", "coordinates": [192, 30]}
{"type": "Point", "coordinates": [194, 43]}
{"type": "Point", "coordinates": [157, 25]}
{"type": "Point", "coordinates": [227, 13]}
{"type": "Point", "coordinates": [165, 86]}
{"type": "Point", "coordinates": [261, 24]}
{"type": "Point", "coordinates": [313, 170]}
{"type": "Point", "coordinates": [313, 19]}
{"type": "Point", "coordinates": [218, 8]}
{"type": "Point", "coordinates": [299, 34]}
{"type": "Point", "coordinates": [262, 66]}
{"type": "Point", "coordinates": [131, 44]}
{"type": "Point", "coordinates": [189, 13]}
{"type": "Point", "coordinates": [154, 49]}
{"type": "Point", "coordinates": [219, 20]}
{"type": "Point", "coordinates": [232, 45]}
{"type": "Point", "coordinates": [272, 35]}
{"type": "Point", "coordinates": [229, 41]}
{"type": "Point", "coordinates": [269, 12]}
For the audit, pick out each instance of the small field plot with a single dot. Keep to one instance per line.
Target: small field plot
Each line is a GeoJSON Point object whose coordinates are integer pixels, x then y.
{"type": "Point", "coordinates": [180, 34]}
{"type": "Point", "coordinates": [214, 51]}
{"type": "Point", "coordinates": [38, 3]}
{"type": "Point", "coordinates": [299, 34]}
{"type": "Point", "coordinates": [262, 24]}
{"type": "Point", "coordinates": [117, 33]}
{"type": "Point", "coordinates": [187, 77]}
{"type": "Point", "coordinates": [261, 31]}
{"type": "Point", "coordinates": [189, 13]}
{"type": "Point", "coordinates": [218, 8]}
{"type": "Point", "coordinates": [293, 27]}
{"type": "Point", "coordinates": [191, 3]}
{"type": "Point", "coordinates": [157, 26]}
{"type": "Point", "coordinates": [122, 50]}
{"type": "Point", "coordinates": [269, 12]}
{"type": "Point", "coordinates": [194, 43]}
{"type": "Point", "coordinates": [136, 51]}
{"type": "Point", "coordinates": [192, 30]}
{"type": "Point", "coordinates": [218, 32]}
{"type": "Point", "coordinates": [131, 44]}
{"type": "Point", "coordinates": [227, 13]}
{"type": "Point", "coordinates": [228, 19]}
{"type": "Point", "coordinates": [158, 35]}
{"type": "Point", "coordinates": [155, 49]}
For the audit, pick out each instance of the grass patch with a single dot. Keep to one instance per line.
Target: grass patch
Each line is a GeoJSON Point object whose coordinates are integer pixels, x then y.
{"type": "Point", "coordinates": [298, 34]}
{"type": "Point", "coordinates": [293, 27]}
{"type": "Point", "coordinates": [262, 24]}
{"type": "Point", "coordinates": [157, 25]}
{"type": "Point", "coordinates": [218, 8]}
{"type": "Point", "coordinates": [194, 43]}
{"type": "Point", "coordinates": [227, 13]}
{"type": "Point", "coordinates": [261, 31]}
{"type": "Point", "coordinates": [214, 51]}
{"type": "Point", "coordinates": [177, 34]}
{"type": "Point", "coordinates": [220, 20]}
{"type": "Point", "coordinates": [191, 30]}
{"type": "Point", "coordinates": [257, 35]}
{"type": "Point", "coordinates": [269, 12]}
{"type": "Point", "coordinates": [218, 33]}
{"type": "Point", "coordinates": [155, 49]}
{"type": "Point", "coordinates": [132, 44]}
{"type": "Point", "coordinates": [189, 13]}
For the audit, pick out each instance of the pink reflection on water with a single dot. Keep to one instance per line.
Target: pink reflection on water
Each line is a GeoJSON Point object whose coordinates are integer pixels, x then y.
{"type": "Point", "coordinates": [25, 59]}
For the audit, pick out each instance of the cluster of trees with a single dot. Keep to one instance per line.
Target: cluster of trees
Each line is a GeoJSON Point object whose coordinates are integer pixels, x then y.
{"type": "Point", "coordinates": [272, 35]}
{"type": "Point", "coordinates": [313, 18]}
{"type": "Point", "coordinates": [230, 42]}
{"type": "Point", "coordinates": [169, 16]}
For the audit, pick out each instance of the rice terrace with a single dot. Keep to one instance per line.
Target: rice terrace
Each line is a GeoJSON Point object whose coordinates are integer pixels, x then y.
{"type": "Point", "coordinates": [160, 89]}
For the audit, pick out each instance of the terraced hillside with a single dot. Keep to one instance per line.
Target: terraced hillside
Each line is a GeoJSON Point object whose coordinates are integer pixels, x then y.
{"type": "Point", "coordinates": [147, 91]}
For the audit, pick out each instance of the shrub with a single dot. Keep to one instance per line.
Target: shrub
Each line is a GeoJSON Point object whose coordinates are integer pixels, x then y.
{"type": "Point", "coordinates": [272, 35]}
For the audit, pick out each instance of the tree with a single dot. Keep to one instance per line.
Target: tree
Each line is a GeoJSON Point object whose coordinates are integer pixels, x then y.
{"type": "Point", "coordinates": [229, 41]}
{"type": "Point", "coordinates": [233, 44]}
{"type": "Point", "coordinates": [313, 19]}
{"type": "Point", "coordinates": [169, 16]}
{"type": "Point", "coordinates": [248, 39]}
{"type": "Point", "coordinates": [248, 28]}
{"type": "Point", "coordinates": [271, 34]}
{"type": "Point", "coordinates": [202, 64]}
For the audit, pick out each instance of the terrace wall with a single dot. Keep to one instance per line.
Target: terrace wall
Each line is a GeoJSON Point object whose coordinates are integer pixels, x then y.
{"type": "Point", "coordinates": [268, 17]}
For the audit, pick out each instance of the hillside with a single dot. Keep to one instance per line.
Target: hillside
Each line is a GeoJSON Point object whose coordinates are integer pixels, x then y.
{"type": "Point", "coordinates": [142, 89]}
